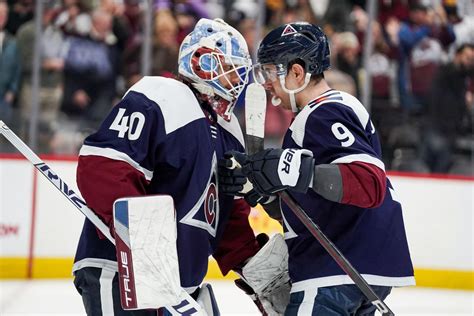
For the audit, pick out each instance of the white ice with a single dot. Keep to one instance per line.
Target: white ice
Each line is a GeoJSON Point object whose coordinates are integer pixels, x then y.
{"type": "Point", "coordinates": [59, 297]}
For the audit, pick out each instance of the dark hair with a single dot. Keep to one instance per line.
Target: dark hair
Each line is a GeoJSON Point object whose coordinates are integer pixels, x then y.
{"type": "Point", "coordinates": [314, 77]}
{"type": "Point", "coordinates": [463, 46]}
{"type": "Point", "coordinates": [417, 5]}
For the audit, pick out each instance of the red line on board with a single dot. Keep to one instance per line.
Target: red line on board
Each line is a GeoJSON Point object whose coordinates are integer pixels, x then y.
{"type": "Point", "coordinates": [29, 272]}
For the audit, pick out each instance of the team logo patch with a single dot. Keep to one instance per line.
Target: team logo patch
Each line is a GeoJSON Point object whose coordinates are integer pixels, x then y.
{"type": "Point", "coordinates": [288, 30]}
{"type": "Point", "coordinates": [210, 204]}
{"type": "Point", "coordinates": [205, 212]}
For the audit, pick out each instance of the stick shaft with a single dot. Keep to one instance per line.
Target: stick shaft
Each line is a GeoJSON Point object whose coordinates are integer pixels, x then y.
{"type": "Point", "coordinates": [58, 183]}
{"type": "Point", "coordinates": [327, 244]}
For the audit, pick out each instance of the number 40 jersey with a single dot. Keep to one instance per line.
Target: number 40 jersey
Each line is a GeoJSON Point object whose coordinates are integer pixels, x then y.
{"type": "Point", "coordinates": [338, 130]}
{"type": "Point", "coordinates": [158, 140]}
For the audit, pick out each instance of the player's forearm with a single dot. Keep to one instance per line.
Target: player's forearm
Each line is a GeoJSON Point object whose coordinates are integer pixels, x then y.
{"type": "Point", "coordinates": [357, 183]}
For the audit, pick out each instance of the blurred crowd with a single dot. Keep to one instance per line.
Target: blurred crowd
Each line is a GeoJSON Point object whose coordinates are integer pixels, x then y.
{"type": "Point", "coordinates": [421, 66]}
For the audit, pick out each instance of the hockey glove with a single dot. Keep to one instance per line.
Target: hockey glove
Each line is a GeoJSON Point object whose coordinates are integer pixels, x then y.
{"type": "Point", "coordinates": [231, 177]}
{"type": "Point", "coordinates": [232, 181]}
{"type": "Point", "coordinates": [265, 276]}
{"type": "Point", "coordinates": [273, 170]}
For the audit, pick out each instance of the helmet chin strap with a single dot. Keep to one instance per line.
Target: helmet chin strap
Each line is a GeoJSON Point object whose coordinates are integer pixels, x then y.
{"type": "Point", "coordinates": [292, 93]}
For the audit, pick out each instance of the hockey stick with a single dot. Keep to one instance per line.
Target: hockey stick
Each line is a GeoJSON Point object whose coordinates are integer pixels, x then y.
{"type": "Point", "coordinates": [187, 306]}
{"type": "Point", "coordinates": [55, 180]}
{"type": "Point", "coordinates": [254, 139]}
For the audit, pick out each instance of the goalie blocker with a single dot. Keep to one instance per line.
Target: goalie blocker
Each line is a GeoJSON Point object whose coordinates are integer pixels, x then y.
{"type": "Point", "coordinates": [145, 231]}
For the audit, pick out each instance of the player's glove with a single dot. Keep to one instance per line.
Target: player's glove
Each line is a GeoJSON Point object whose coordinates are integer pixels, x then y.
{"type": "Point", "coordinates": [232, 181]}
{"type": "Point", "coordinates": [265, 276]}
{"type": "Point", "coordinates": [273, 170]}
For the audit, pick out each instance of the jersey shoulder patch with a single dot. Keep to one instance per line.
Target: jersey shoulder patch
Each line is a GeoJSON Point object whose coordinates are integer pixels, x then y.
{"type": "Point", "coordinates": [176, 101]}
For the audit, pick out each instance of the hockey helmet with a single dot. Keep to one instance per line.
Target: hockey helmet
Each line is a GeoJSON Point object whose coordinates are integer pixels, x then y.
{"type": "Point", "coordinates": [214, 57]}
{"type": "Point", "coordinates": [287, 43]}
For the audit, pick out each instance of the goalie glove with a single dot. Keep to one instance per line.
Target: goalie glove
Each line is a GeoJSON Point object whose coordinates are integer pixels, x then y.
{"type": "Point", "coordinates": [274, 170]}
{"type": "Point", "coordinates": [265, 277]}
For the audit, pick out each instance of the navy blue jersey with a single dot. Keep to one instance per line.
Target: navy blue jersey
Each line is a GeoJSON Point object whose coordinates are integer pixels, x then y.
{"type": "Point", "coordinates": [158, 140]}
{"type": "Point", "coordinates": [337, 129]}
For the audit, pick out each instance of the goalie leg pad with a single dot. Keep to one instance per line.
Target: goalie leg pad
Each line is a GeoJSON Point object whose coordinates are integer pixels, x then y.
{"type": "Point", "coordinates": [145, 230]}
{"type": "Point", "coordinates": [267, 274]}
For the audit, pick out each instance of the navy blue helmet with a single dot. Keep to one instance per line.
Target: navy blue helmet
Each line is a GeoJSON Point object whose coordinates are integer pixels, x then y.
{"type": "Point", "coordinates": [298, 40]}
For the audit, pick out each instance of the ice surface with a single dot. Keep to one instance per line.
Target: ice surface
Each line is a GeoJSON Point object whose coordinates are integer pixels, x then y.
{"type": "Point", "coordinates": [59, 297]}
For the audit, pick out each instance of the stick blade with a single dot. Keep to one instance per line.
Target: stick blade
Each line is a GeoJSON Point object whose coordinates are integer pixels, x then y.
{"type": "Point", "coordinates": [255, 109]}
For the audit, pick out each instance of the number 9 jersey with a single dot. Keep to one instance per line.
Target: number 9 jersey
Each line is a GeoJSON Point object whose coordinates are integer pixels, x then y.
{"type": "Point", "coordinates": [158, 140]}
{"type": "Point", "coordinates": [338, 130]}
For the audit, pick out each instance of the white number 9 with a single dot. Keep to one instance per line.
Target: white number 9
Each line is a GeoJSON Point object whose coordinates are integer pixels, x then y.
{"type": "Point", "coordinates": [343, 134]}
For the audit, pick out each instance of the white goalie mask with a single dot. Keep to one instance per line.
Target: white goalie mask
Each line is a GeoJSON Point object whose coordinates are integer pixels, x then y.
{"type": "Point", "coordinates": [215, 58]}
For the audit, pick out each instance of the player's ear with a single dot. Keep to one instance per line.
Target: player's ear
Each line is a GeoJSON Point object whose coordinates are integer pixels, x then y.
{"type": "Point", "coordinates": [298, 72]}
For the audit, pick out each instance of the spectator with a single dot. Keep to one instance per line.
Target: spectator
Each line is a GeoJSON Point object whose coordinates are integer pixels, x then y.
{"type": "Point", "coordinates": [73, 18]}
{"type": "Point", "coordinates": [420, 54]}
{"type": "Point", "coordinates": [123, 32]}
{"type": "Point", "coordinates": [332, 14]}
{"type": "Point", "coordinates": [132, 51]}
{"type": "Point", "coordinates": [463, 26]}
{"type": "Point", "coordinates": [299, 10]}
{"type": "Point", "coordinates": [451, 110]}
{"type": "Point", "coordinates": [380, 64]}
{"type": "Point", "coordinates": [347, 56]}
{"type": "Point", "coordinates": [91, 72]}
{"type": "Point", "coordinates": [165, 50]}
{"type": "Point", "coordinates": [385, 113]}
{"type": "Point", "coordinates": [120, 26]}
{"type": "Point", "coordinates": [393, 9]}
{"type": "Point", "coordinates": [187, 13]}
{"type": "Point", "coordinates": [53, 49]}
{"type": "Point", "coordinates": [9, 67]}
{"type": "Point", "coordinates": [22, 12]}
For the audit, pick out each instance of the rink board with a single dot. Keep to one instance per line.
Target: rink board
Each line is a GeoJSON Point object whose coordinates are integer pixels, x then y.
{"type": "Point", "coordinates": [39, 229]}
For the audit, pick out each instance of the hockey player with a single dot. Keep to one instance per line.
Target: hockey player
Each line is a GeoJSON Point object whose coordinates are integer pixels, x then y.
{"type": "Point", "coordinates": [165, 137]}
{"type": "Point", "coordinates": [331, 164]}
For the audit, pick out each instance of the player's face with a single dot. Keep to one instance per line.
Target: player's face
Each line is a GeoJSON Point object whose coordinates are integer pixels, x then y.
{"type": "Point", "coordinates": [270, 79]}
{"type": "Point", "coordinates": [230, 78]}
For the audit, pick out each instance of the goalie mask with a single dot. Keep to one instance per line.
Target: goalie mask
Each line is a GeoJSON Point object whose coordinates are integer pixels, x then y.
{"type": "Point", "coordinates": [215, 58]}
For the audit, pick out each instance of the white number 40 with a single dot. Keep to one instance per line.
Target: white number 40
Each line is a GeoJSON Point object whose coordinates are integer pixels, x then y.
{"type": "Point", "coordinates": [131, 125]}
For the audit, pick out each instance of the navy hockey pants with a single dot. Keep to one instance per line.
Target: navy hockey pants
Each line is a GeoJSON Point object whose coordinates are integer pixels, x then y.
{"type": "Point", "coordinates": [340, 300]}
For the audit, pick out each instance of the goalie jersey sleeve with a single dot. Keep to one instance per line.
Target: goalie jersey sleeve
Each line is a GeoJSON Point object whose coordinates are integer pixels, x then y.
{"type": "Point", "coordinates": [337, 129]}
{"type": "Point", "coordinates": [157, 140]}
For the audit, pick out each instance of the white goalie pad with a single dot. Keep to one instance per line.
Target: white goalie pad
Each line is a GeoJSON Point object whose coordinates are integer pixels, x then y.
{"type": "Point", "coordinates": [145, 232]}
{"type": "Point", "coordinates": [267, 274]}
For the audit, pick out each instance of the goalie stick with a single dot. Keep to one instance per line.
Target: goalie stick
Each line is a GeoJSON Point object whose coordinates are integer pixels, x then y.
{"type": "Point", "coordinates": [187, 306]}
{"type": "Point", "coordinates": [255, 122]}
{"type": "Point", "coordinates": [55, 180]}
